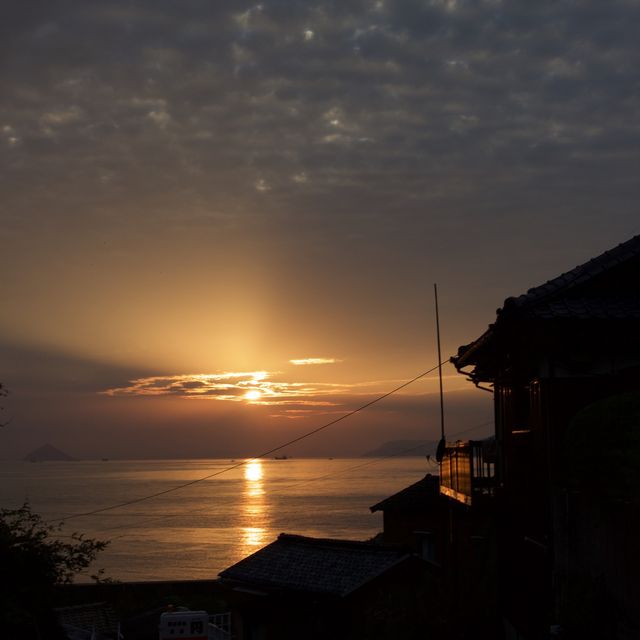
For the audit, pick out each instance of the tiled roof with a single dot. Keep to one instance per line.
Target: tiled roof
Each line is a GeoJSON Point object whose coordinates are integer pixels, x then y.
{"type": "Point", "coordinates": [561, 297]}
{"type": "Point", "coordinates": [604, 288]}
{"type": "Point", "coordinates": [600, 308]}
{"type": "Point", "coordinates": [314, 565]}
{"type": "Point", "coordinates": [416, 497]}
{"type": "Point", "coordinates": [98, 617]}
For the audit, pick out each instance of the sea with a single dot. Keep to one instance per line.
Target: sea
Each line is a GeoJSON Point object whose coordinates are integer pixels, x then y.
{"type": "Point", "coordinates": [197, 531]}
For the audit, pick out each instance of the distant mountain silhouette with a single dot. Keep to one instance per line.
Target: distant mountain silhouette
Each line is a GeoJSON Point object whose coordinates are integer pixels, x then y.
{"type": "Point", "coordinates": [47, 452]}
{"type": "Point", "coordinates": [403, 448]}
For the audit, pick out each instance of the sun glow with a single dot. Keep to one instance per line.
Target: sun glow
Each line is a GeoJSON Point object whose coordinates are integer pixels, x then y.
{"type": "Point", "coordinates": [253, 394]}
{"type": "Point", "coordinates": [253, 471]}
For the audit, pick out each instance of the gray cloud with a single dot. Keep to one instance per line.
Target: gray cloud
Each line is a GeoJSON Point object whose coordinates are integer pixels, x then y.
{"type": "Point", "coordinates": [411, 117]}
{"type": "Point", "coordinates": [129, 100]}
{"type": "Point", "coordinates": [38, 369]}
{"type": "Point", "coordinates": [350, 150]}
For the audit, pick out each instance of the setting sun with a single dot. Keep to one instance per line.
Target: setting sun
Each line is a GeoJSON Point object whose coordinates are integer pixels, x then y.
{"type": "Point", "coordinates": [253, 394]}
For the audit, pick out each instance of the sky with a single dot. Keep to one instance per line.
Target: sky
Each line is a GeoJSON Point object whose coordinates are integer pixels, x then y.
{"type": "Point", "coordinates": [221, 222]}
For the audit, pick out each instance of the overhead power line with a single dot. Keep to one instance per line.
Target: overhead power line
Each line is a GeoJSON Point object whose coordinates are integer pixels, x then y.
{"type": "Point", "coordinates": [264, 454]}
{"type": "Point", "coordinates": [165, 516]}
{"type": "Point", "coordinates": [338, 472]}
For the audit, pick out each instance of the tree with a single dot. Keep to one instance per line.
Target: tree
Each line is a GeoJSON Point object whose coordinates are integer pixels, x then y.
{"type": "Point", "coordinates": [3, 394]}
{"type": "Point", "coordinates": [34, 558]}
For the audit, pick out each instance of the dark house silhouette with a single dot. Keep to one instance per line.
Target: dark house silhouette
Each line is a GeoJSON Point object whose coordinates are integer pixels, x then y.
{"type": "Point", "coordinates": [411, 518]}
{"type": "Point", "coordinates": [301, 587]}
{"type": "Point", "coordinates": [458, 544]}
{"type": "Point", "coordinates": [558, 488]}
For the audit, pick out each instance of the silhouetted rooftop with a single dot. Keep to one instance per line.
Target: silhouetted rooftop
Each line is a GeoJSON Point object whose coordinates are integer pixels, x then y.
{"type": "Point", "coordinates": [598, 289]}
{"type": "Point", "coordinates": [316, 565]}
{"type": "Point", "coordinates": [416, 497]}
{"type": "Point", "coordinates": [604, 288]}
{"type": "Point", "coordinates": [566, 283]}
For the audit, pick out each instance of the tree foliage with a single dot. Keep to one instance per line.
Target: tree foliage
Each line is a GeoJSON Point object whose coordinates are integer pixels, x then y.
{"type": "Point", "coordinates": [3, 394]}
{"type": "Point", "coordinates": [34, 558]}
{"type": "Point", "coordinates": [603, 444]}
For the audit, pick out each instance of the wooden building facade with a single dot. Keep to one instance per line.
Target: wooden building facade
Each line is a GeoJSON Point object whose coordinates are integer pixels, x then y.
{"type": "Point", "coordinates": [560, 479]}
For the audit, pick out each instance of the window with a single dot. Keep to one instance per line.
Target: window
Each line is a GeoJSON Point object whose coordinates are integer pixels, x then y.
{"type": "Point", "coordinates": [427, 545]}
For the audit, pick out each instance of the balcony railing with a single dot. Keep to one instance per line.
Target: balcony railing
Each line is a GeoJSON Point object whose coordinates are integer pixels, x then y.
{"type": "Point", "coordinates": [467, 470]}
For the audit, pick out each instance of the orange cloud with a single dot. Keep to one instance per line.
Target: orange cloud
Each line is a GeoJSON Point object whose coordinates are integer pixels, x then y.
{"type": "Point", "coordinates": [219, 386]}
{"type": "Point", "coordinates": [304, 361]}
{"type": "Point", "coordinates": [256, 387]}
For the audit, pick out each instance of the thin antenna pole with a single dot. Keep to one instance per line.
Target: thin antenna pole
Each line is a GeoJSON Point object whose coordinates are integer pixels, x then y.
{"type": "Point", "coordinates": [435, 293]}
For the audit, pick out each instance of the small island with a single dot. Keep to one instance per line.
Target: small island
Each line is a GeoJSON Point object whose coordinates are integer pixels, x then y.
{"type": "Point", "coordinates": [48, 453]}
{"type": "Point", "coordinates": [403, 448]}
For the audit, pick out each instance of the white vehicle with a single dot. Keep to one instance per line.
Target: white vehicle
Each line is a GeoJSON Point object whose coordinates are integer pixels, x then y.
{"type": "Point", "coordinates": [189, 625]}
{"type": "Point", "coordinates": [194, 625]}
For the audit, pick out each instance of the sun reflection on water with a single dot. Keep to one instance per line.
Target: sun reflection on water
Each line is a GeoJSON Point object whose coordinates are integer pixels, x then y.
{"type": "Point", "coordinates": [253, 471]}
{"type": "Point", "coordinates": [254, 508]}
{"type": "Point", "coordinates": [253, 537]}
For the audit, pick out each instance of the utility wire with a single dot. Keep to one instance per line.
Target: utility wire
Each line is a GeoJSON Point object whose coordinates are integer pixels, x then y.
{"type": "Point", "coordinates": [126, 503]}
{"type": "Point", "coordinates": [337, 472]}
{"type": "Point", "coordinates": [375, 461]}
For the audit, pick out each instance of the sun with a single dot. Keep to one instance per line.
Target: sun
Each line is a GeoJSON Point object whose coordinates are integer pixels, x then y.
{"type": "Point", "coordinates": [253, 394]}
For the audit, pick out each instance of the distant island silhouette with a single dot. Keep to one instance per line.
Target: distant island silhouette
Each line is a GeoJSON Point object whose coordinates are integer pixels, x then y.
{"type": "Point", "coordinates": [403, 448]}
{"type": "Point", "coordinates": [48, 453]}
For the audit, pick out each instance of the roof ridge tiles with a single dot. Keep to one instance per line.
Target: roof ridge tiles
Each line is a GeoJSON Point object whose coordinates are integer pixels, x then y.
{"type": "Point", "coordinates": [581, 273]}
{"type": "Point", "coordinates": [336, 542]}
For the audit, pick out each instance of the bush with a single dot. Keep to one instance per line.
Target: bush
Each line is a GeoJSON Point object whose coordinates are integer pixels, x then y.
{"type": "Point", "coordinates": [34, 558]}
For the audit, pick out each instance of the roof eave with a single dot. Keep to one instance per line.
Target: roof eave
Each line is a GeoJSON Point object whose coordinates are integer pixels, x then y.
{"type": "Point", "coordinates": [469, 355]}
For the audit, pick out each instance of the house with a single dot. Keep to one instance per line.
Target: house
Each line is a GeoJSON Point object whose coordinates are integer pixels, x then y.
{"type": "Point", "coordinates": [411, 518]}
{"type": "Point", "coordinates": [302, 587]}
{"type": "Point", "coordinates": [561, 480]}
{"type": "Point", "coordinates": [459, 545]}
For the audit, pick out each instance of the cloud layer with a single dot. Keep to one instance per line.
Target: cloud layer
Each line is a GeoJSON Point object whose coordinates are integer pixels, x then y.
{"type": "Point", "coordinates": [255, 387]}
{"type": "Point", "coordinates": [290, 105]}
{"type": "Point", "coordinates": [215, 186]}
{"type": "Point", "coordinates": [313, 361]}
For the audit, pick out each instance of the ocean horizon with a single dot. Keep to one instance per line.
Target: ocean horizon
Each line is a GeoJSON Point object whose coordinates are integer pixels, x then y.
{"type": "Point", "coordinates": [197, 531]}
